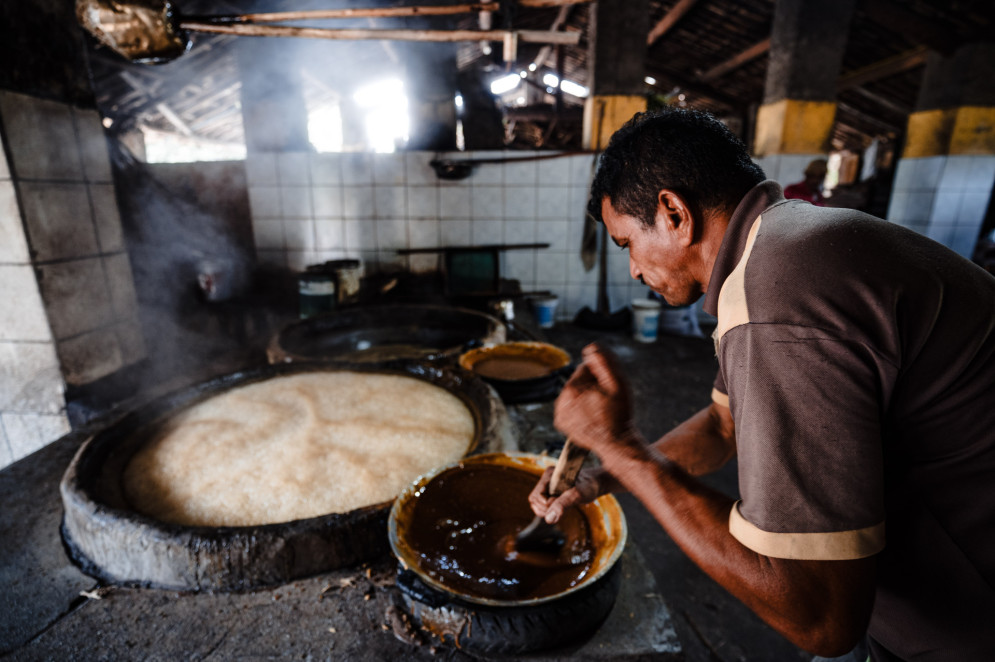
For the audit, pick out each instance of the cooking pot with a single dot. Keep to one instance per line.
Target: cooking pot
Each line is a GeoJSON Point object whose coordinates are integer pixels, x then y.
{"type": "Point", "coordinates": [112, 541]}
{"type": "Point", "coordinates": [525, 371]}
{"type": "Point", "coordinates": [517, 625]}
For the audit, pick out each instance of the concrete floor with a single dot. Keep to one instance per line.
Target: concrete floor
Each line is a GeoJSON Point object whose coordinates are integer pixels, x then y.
{"type": "Point", "coordinates": [50, 610]}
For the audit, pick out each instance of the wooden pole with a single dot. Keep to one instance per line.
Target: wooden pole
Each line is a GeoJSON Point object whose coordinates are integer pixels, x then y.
{"type": "Point", "coordinates": [250, 30]}
{"type": "Point", "coordinates": [550, 3]}
{"type": "Point", "coordinates": [377, 12]}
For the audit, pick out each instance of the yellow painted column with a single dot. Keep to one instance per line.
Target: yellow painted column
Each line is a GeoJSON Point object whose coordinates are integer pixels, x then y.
{"type": "Point", "coordinates": [943, 182]}
{"type": "Point", "coordinates": [604, 114]}
{"type": "Point", "coordinates": [966, 130]}
{"type": "Point", "coordinates": [791, 126]}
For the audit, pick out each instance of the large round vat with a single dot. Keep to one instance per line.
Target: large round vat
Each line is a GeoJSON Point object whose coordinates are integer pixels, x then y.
{"type": "Point", "coordinates": [110, 540]}
{"type": "Point", "coordinates": [385, 333]}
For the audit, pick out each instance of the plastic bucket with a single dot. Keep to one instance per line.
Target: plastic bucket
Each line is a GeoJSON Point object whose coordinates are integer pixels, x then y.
{"type": "Point", "coordinates": [645, 319]}
{"type": "Point", "coordinates": [545, 310]}
{"type": "Point", "coordinates": [317, 293]}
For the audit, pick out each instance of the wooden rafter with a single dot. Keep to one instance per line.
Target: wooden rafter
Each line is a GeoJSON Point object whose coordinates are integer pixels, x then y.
{"type": "Point", "coordinates": [373, 12]}
{"type": "Point", "coordinates": [735, 62]}
{"type": "Point", "coordinates": [887, 104]}
{"type": "Point", "coordinates": [559, 22]}
{"type": "Point", "coordinates": [550, 3]}
{"type": "Point", "coordinates": [880, 124]}
{"type": "Point", "coordinates": [252, 30]}
{"type": "Point", "coordinates": [917, 28]}
{"type": "Point", "coordinates": [173, 118]}
{"type": "Point", "coordinates": [669, 20]}
{"type": "Point", "coordinates": [883, 68]}
{"type": "Point", "coordinates": [696, 86]}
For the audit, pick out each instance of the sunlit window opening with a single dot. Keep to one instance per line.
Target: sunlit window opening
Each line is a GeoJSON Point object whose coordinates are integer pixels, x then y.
{"type": "Point", "coordinates": [573, 88]}
{"type": "Point", "coordinates": [324, 128]}
{"type": "Point", "coordinates": [552, 81]}
{"type": "Point", "coordinates": [385, 105]}
{"type": "Point", "coordinates": [505, 84]}
{"type": "Point", "coordinates": [163, 147]}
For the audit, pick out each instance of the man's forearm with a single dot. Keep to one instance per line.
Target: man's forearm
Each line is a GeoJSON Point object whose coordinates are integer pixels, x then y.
{"type": "Point", "coordinates": [820, 606]}
{"type": "Point", "coordinates": [701, 444]}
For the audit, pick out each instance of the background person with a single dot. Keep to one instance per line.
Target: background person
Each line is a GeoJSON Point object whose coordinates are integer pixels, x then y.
{"type": "Point", "coordinates": [810, 188]}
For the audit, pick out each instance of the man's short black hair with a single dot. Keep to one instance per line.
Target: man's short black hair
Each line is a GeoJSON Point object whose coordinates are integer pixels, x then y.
{"type": "Point", "coordinates": [688, 151]}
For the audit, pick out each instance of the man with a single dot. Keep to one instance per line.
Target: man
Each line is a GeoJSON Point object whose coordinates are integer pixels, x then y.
{"type": "Point", "coordinates": [810, 188]}
{"type": "Point", "coordinates": [856, 385]}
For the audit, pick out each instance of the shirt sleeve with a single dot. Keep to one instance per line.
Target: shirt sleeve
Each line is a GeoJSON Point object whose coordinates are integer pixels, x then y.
{"type": "Point", "coordinates": [808, 432]}
{"type": "Point", "coordinates": [719, 393]}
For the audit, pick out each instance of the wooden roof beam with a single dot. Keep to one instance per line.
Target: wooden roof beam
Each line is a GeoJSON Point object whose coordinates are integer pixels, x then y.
{"type": "Point", "coordinates": [669, 20]}
{"type": "Point", "coordinates": [887, 104]}
{"type": "Point", "coordinates": [918, 29]}
{"type": "Point", "coordinates": [881, 125]}
{"type": "Point", "coordinates": [550, 3]}
{"type": "Point", "coordinates": [559, 22]}
{"type": "Point", "coordinates": [696, 86]}
{"type": "Point", "coordinates": [883, 68]}
{"type": "Point", "coordinates": [174, 119]}
{"type": "Point", "coordinates": [374, 12]}
{"type": "Point", "coordinates": [357, 34]}
{"type": "Point", "coordinates": [735, 62]}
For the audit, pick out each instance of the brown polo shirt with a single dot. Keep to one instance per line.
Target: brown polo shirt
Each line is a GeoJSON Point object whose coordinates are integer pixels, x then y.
{"type": "Point", "coordinates": [858, 360]}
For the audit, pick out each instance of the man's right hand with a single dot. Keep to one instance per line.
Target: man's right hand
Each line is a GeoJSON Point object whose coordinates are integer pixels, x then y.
{"type": "Point", "coordinates": [591, 483]}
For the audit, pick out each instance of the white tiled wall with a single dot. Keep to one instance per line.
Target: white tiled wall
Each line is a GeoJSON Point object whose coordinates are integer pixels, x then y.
{"type": "Point", "coordinates": [786, 169]}
{"type": "Point", "coordinates": [31, 386]}
{"type": "Point", "coordinates": [308, 208]}
{"type": "Point", "coordinates": [69, 313]}
{"type": "Point", "coordinates": [943, 197]}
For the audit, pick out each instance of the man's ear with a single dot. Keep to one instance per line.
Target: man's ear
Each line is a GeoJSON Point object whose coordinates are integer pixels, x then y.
{"type": "Point", "coordinates": [675, 215]}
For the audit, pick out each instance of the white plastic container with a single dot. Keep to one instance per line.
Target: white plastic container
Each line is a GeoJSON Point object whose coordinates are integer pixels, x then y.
{"type": "Point", "coordinates": [645, 319]}
{"type": "Point", "coordinates": [545, 310]}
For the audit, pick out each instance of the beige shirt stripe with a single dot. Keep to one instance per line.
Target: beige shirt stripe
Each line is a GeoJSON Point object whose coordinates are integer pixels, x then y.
{"type": "Point", "coordinates": [720, 398]}
{"type": "Point", "coordinates": [732, 309]}
{"type": "Point", "coordinates": [832, 546]}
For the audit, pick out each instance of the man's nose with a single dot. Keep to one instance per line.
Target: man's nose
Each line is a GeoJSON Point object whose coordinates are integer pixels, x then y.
{"type": "Point", "coordinates": [634, 270]}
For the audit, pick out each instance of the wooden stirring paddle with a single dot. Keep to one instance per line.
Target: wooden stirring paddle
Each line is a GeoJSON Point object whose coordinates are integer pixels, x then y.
{"type": "Point", "coordinates": [539, 535]}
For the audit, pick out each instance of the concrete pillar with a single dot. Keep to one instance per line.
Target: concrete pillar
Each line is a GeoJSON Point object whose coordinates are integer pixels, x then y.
{"type": "Point", "coordinates": [795, 121]}
{"type": "Point", "coordinates": [616, 56]}
{"type": "Point", "coordinates": [943, 182]}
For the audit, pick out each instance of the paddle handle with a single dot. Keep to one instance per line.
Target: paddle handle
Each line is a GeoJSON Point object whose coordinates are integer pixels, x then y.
{"type": "Point", "coordinates": [567, 467]}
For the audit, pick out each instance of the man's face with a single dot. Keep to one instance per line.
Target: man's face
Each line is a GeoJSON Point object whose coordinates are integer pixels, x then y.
{"type": "Point", "coordinates": [656, 255]}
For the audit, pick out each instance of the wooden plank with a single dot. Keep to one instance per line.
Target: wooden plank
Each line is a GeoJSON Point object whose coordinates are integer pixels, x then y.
{"type": "Point", "coordinates": [669, 20]}
{"type": "Point", "coordinates": [560, 21]}
{"type": "Point", "coordinates": [899, 109]}
{"type": "Point", "coordinates": [751, 53]}
{"type": "Point", "coordinates": [916, 28]}
{"type": "Point", "coordinates": [883, 125]}
{"type": "Point", "coordinates": [695, 86]}
{"type": "Point", "coordinates": [358, 34]}
{"type": "Point", "coordinates": [550, 3]}
{"type": "Point", "coordinates": [376, 12]}
{"type": "Point", "coordinates": [883, 68]}
{"type": "Point", "coordinates": [174, 119]}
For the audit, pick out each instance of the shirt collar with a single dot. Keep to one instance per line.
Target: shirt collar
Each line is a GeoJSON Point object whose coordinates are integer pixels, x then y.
{"type": "Point", "coordinates": [764, 195]}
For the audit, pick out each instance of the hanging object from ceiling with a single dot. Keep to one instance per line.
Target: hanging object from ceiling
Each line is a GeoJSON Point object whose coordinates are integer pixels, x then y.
{"type": "Point", "coordinates": [153, 31]}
